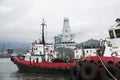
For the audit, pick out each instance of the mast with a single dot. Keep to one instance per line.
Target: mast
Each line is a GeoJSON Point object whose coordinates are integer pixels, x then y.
{"type": "Point", "coordinates": [43, 37]}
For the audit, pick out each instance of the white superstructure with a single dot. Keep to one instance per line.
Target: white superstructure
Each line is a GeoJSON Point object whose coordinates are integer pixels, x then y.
{"type": "Point", "coordinates": [65, 40]}
{"type": "Point", "coordinates": [112, 44]}
{"type": "Point", "coordinates": [41, 50]}
{"type": "Point", "coordinates": [110, 47]}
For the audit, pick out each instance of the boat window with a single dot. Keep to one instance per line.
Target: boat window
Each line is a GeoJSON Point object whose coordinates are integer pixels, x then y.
{"type": "Point", "coordinates": [111, 34]}
{"type": "Point", "coordinates": [117, 33]}
{"type": "Point", "coordinates": [86, 51]}
{"type": "Point", "coordinates": [46, 48]}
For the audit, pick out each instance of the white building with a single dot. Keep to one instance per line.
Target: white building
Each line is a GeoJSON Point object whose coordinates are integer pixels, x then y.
{"type": "Point", "coordinates": [80, 53]}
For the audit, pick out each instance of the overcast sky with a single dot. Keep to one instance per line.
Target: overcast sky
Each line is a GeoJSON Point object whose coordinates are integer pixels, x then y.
{"type": "Point", "coordinates": [20, 19]}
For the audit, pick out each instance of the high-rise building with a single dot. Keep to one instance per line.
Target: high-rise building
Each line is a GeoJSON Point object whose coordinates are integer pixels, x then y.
{"type": "Point", "coordinates": [65, 40]}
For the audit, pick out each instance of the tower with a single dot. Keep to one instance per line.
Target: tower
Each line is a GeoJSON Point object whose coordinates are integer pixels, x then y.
{"type": "Point", "coordinates": [66, 32]}
{"type": "Point", "coordinates": [65, 40]}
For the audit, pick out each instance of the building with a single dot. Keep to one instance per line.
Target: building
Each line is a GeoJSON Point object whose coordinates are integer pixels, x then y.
{"type": "Point", "coordinates": [65, 40]}
{"type": "Point", "coordinates": [80, 53]}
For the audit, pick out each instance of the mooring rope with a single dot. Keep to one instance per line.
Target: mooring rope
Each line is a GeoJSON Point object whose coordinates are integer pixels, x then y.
{"type": "Point", "coordinates": [106, 67]}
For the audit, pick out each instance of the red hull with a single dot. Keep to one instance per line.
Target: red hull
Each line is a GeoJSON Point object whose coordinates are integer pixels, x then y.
{"type": "Point", "coordinates": [52, 67]}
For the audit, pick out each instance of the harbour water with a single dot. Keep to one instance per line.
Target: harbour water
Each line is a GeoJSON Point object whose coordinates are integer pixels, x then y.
{"type": "Point", "coordinates": [9, 71]}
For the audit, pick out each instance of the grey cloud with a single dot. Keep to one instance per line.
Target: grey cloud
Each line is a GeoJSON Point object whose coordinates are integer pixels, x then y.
{"type": "Point", "coordinates": [90, 17]}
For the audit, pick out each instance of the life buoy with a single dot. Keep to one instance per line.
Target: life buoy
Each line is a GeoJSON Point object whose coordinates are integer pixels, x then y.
{"type": "Point", "coordinates": [113, 70]}
{"type": "Point", "coordinates": [89, 71]}
{"type": "Point", "coordinates": [114, 54]}
{"type": "Point", "coordinates": [74, 73]}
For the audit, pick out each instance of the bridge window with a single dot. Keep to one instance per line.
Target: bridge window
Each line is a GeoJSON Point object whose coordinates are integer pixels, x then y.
{"type": "Point", "coordinates": [111, 34]}
{"type": "Point", "coordinates": [117, 33]}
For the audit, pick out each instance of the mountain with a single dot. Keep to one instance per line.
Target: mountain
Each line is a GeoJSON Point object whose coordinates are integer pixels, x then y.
{"type": "Point", "coordinates": [14, 45]}
{"type": "Point", "coordinates": [17, 46]}
{"type": "Point", "coordinates": [91, 43]}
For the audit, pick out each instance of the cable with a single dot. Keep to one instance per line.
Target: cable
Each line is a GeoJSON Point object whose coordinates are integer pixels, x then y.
{"type": "Point", "coordinates": [105, 66]}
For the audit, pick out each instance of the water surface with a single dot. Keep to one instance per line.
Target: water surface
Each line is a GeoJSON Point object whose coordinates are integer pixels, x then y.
{"type": "Point", "coordinates": [9, 71]}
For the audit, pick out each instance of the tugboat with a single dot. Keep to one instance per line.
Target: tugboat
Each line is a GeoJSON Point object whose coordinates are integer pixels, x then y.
{"type": "Point", "coordinates": [41, 58]}
{"type": "Point", "coordinates": [105, 65]}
